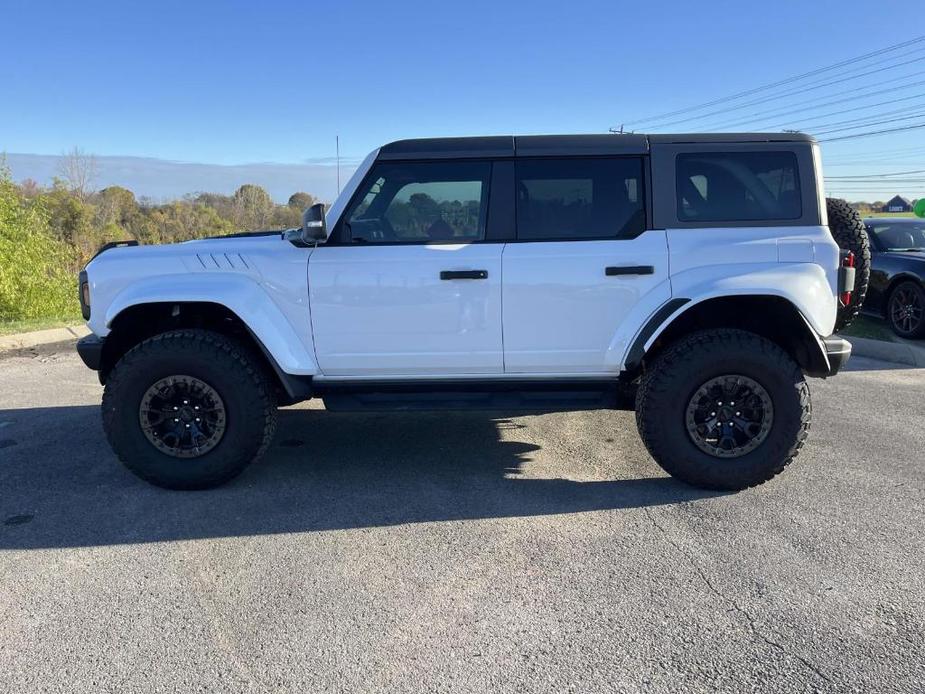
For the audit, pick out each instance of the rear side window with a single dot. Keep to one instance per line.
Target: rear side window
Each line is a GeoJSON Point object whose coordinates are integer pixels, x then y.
{"type": "Point", "coordinates": [738, 186]}
{"type": "Point", "coordinates": [566, 199]}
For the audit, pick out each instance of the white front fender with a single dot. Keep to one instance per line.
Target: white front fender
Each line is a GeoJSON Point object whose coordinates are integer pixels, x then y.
{"type": "Point", "coordinates": [285, 335]}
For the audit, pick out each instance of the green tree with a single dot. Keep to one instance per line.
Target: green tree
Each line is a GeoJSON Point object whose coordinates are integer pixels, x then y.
{"type": "Point", "coordinates": [301, 201]}
{"type": "Point", "coordinates": [286, 217]}
{"type": "Point", "coordinates": [116, 205]}
{"type": "Point", "coordinates": [73, 221]}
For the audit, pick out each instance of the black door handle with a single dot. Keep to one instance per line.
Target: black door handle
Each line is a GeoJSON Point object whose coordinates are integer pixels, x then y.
{"type": "Point", "coordinates": [464, 274]}
{"type": "Point", "coordinates": [613, 271]}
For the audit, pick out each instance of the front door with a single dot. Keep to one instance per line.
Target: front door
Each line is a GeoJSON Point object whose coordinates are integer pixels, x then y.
{"type": "Point", "coordinates": [582, 262]}
{"type": "Point", "coordinates": [406, 288]}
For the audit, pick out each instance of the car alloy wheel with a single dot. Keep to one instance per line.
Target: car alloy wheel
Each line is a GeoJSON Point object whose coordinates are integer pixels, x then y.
{"type": "Point", "coordinates": [182, 416]}
{"type": "Point", "coordinates": [729, 416]}
{"type": "Point", "coordinates": [906, 309]}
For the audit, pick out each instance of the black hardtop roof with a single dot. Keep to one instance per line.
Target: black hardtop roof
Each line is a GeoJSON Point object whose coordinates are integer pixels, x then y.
{"type": "Point", "coordinates": [563, 145]}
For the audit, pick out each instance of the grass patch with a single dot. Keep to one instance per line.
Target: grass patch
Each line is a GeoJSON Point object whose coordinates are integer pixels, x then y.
{"type": "Point", "coordinates": [33, 324]}
{"type": "Point", "coordinates": [871, 328]}
{"type": "Point", "coordinates": [890, 214]}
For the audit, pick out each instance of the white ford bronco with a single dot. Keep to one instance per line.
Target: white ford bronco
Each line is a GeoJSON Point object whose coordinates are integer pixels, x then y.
{"type": "Point", "coordinates": [695, 276]}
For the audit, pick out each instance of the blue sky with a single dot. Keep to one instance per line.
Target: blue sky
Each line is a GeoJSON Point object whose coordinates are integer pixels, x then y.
{"type": "Point", "coordinates": [236, 82]}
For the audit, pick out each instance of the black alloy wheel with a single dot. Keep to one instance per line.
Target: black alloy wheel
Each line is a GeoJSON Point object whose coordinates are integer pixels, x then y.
{"type": "Point", "coordinates": [182, 416]}
{"type": "Point", "coordinates": [729, 416]}
{"type": "Point", "coordinates": [906, 310]}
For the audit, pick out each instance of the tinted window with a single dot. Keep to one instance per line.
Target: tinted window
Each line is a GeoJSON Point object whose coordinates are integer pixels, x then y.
{"type": "Point", "coordinates": [899, 236]}
{"type": "Point", "coordinates": [421, 202]}
{"type": "Point", "coordinates": [738, 186]}
{"type": "Point", "coordinates": [579, 198]}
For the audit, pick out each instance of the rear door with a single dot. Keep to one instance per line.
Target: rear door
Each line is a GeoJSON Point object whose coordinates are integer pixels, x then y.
{"type": "Point", "coordinates": [409, 287]}
{"type": "Point", "coordinates": [582, 263]}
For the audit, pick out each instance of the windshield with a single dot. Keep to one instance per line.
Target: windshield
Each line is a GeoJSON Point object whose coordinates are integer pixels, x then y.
{"type": "Point", "coordinates": [899, 236]}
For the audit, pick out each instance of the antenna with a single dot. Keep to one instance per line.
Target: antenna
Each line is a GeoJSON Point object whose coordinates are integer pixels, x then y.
{"type": "Point", "coordinates": [337, 145]}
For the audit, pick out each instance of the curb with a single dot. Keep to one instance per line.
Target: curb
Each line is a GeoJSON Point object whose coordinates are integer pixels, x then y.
{"type": "Point", "coordinates": [38, 338]}
{"type": "Point", "coordinates": [896, 352]}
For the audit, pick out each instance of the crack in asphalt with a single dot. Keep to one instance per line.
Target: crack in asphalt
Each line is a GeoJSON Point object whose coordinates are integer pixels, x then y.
{"type": "Point", "coordinates": [750, 620]}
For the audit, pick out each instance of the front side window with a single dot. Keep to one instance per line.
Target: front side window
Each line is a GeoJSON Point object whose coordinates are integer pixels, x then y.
{"type": "Point", "coordinates": [421, 202]}
{"type": "Point", "coordinates": [738, 186]}
{"type": "Point", "coordinates": [562, 199]}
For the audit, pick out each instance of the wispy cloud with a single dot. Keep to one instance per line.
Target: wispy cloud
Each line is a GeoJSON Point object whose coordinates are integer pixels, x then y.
{"type": "Point", "coordinates": [344, 160]}
{"type": "Point", "coordinates": [161, 179]}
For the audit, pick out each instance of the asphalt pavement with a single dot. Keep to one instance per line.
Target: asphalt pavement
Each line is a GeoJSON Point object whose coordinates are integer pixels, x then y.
{"type": "Point", "coordinates": [461, 552]}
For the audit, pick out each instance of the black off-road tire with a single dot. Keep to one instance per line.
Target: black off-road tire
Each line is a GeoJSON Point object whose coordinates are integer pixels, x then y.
{"type": "Point", "coordinates": [223, 363]}
{"type": "Point", "coordinates": [671, 381]}
{"type": "Point", "coordinates": [850, 234]}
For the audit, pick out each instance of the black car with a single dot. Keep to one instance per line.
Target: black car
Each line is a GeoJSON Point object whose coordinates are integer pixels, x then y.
{"type": "Point", "coordinates": [897, 273]}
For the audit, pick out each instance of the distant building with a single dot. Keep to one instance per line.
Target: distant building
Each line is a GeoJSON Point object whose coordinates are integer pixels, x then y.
{"type": "Point", "coordinates": [897, 204]}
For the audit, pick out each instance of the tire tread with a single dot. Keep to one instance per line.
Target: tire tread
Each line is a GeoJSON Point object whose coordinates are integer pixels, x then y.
{"type": "Point", "coordinates": [850, 234]}
{"type": "Point", "coordinates": [210, 344]}
{"type": "Point", "coordinates": [657, 384]}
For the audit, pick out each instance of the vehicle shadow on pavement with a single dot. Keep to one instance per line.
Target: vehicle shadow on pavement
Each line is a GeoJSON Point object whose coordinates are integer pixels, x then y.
{"type": "Point", "coordinates": [61, 486]}
{"type": "Point", "coordinates": [857, 363]}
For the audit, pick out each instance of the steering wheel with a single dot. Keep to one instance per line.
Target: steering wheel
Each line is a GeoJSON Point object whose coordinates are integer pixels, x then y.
{"type": "Point", "coordinates": [372, 229]}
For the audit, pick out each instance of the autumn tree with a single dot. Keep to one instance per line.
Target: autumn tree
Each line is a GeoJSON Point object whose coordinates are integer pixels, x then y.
{"type": "Point", "coordinates": [252, 207]}
{"type": "Point", "coordinates": [116, 206]}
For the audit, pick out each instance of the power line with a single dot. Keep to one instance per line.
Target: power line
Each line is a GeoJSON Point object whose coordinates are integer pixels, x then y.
{"type": "Point", "coordinates": [856, 136]}
{"type": "Point", "coordinates": [788, 80]}
{"type": "Point", "coordinates": [796, 92]}
{"type": "Point", "coordinates": [901, 182]}
{"type": "Point", "coordinates": [875, 158]}
{"type": "Point", "coordinates": [891, 173]}
{"type": "Point", "coordinates": [862, 108]}
{"type": "Point", "coordinates": [813, 127]}
{"type": "Point", "coordinates": [867, 123]}
{"type": "Point", "coordinates": [897, 150]}
{"type": "Point", "coordinates": [880, 153]}
{"type": "Point", "coordinates": [883, 161]}
{"type": "Point", "coordinates": [763, 117]}
{"type": "Point", "coordinates": [854, 98]}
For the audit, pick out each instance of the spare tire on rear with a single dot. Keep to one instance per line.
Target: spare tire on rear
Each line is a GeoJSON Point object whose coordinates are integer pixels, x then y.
{"type": "Point", "coordinates": [850, 234]}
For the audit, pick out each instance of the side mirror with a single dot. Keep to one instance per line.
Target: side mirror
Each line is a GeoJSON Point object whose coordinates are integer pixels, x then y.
{"type": "Point", "coordinates": [313, 227]}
